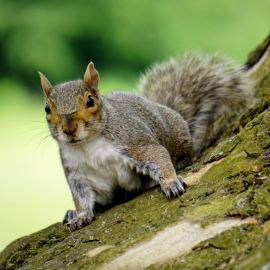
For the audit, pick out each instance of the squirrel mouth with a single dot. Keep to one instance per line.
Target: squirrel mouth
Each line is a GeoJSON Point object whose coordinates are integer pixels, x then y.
{"type": "Point", "coordinates": [74, 141]}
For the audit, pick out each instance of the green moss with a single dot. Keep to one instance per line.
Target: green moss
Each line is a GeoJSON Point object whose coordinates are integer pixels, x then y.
{"type": "Point", "coordinates": [222, 149]}
{"type": "Point", "coordinates": [24, 249]}
{"type": "Point", "coordinates": [259, 258]}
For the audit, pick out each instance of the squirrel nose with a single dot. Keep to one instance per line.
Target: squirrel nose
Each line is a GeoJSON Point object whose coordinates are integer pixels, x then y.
{"type": "Point", "coordinates": [70, 130]}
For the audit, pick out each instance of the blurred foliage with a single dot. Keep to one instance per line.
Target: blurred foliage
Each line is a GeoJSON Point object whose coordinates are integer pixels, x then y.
{"type": "Point", "coordinates": [59, 38]}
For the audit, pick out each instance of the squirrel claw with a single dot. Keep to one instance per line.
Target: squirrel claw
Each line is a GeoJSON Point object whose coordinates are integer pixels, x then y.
{"type": "Point", "coordinates": [73, 222]}
{"type": "Point", "coordinates": [71, 214]}
{"type": "Point", "coordinates": [78, 223]}
{"type": "Point", "coordinates": [175, 188]}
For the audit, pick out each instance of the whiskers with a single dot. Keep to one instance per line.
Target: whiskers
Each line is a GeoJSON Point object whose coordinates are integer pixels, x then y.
{"type": "Point", "coordinates": [34, 134]}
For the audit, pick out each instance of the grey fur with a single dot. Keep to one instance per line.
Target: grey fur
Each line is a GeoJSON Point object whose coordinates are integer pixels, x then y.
{"type": "Point", "coordinates": [133, 141]}
{"type": "Point", "coordinates": [207, 90]}
{"type": "Point", "coordinates": [66, 96]}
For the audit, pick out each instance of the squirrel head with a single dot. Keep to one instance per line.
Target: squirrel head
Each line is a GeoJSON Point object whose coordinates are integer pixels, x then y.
{"type": "Point", "coordinates": [73, 109]}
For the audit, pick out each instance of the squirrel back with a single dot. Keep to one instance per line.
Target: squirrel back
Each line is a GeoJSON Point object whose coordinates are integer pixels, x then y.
{"type": "Point", "coordinates": [133, 120]}
{"type": "Point", "coordinates": [207, 90]}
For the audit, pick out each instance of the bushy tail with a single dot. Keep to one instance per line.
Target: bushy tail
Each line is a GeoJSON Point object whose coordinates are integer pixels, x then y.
{"type": "Point", "coordinates": [207, 90]}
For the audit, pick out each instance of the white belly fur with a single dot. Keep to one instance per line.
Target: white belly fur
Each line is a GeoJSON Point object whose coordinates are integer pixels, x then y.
{"type": "Point", "coordinates": [99, 165]}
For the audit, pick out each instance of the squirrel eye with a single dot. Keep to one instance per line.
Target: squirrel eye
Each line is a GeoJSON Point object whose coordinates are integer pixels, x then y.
{"type": "Point", "coordinates": [47, 109]}
{"type": "Point", "coordinates": [90, 102]}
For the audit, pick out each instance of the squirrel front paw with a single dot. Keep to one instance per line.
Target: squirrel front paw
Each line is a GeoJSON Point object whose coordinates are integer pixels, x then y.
{"type": "Point", "coordinates": [75, 222]}
{"type": "Point", "coordinates": [174, 188]}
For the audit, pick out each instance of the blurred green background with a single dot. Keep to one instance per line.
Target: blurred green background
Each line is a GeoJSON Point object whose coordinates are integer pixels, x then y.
{"type": "Point", "coordinates": [122, 38]}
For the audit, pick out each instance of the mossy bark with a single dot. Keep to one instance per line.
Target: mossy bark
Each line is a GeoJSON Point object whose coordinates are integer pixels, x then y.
{"type": "Point", "coordinates": [237, 186]}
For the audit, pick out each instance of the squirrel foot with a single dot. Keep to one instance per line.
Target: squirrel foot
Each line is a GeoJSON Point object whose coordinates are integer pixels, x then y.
{"type": "Point", "coordinates": [74, 222]}
{"type": "Point", "coordinates": [175, 188]}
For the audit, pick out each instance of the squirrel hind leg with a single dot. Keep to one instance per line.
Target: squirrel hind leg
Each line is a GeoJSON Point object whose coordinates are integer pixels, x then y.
{"type": "Point", "coordinates": [182, 163]}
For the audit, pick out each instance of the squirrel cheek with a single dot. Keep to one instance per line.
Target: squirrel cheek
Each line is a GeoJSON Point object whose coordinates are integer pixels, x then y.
{"type": "Point", "coordinates": [95, 114]}
{"type": "Point", "coordinates": [49, 117]}
{"type": "Point", "coordinates": [93, 109]}
{"type": "Point", "coordinates": [90, 115]}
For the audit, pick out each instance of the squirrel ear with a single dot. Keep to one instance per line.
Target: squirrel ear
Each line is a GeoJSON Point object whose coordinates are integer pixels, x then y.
{"type": "Point", "coordinates": [46, 85]}
{"type": "Point", "coordinates": [91, 78]}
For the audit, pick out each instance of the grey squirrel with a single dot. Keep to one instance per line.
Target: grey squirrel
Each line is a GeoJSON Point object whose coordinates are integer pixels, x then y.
{"type": "Point", "coordinates": [135, 141]}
